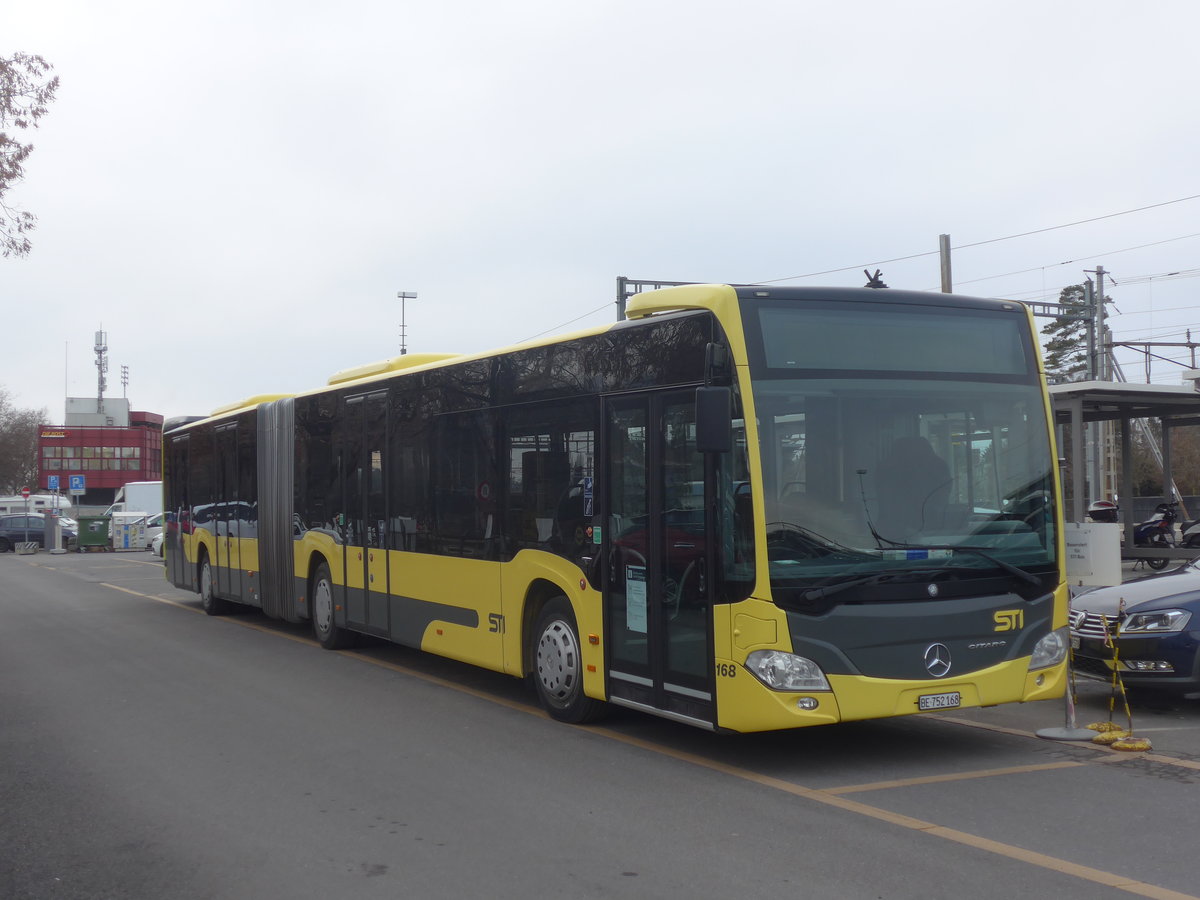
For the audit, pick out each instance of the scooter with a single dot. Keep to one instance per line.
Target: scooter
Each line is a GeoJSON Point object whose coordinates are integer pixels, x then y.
{"type": "Point", "coordinates": [1191, 533]}
{"type": "Point", "coordinates": [1158, 531]}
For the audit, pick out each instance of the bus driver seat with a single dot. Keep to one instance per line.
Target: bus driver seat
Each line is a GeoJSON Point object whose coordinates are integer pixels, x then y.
{"type": "Point", "coordinates": [913, 487]}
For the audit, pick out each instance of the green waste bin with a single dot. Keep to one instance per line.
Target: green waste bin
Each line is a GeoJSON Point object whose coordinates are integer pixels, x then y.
{"type": "Point", "coordinates": [93, 532]}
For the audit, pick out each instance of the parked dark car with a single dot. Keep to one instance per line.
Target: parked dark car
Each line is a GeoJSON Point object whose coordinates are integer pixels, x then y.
{"type": "Point", "coordinates": [31, 527]}
{"type": "Point", "coordinates": [1154, 625]}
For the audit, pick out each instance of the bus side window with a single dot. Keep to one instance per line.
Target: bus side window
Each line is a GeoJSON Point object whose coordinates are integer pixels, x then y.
{"type": "Point", "coordinates": [462, 465]}
{"type": "Point", "coordinates": [550, 452]}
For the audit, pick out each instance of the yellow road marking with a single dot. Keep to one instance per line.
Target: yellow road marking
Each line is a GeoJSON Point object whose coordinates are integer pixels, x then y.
{"type": "Point", "coordinates": [1010, 851]}
{"type": "Point", "coordinates": [959, 776]}
{"type": "Point", "coordinates": [1100, 748]}
{"type": "Point", "coordinates": [168, 600]}
{"type": "Point", "coordinates": [826, 797]}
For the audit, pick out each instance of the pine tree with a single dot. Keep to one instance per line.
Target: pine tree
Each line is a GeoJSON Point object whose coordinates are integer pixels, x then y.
{"type": "Point", "coordinates": [1066, 349]}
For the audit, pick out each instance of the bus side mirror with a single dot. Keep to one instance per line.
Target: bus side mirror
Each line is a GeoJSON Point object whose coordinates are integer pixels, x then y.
{"type": "Point", "coordinates": [718, 364]}
{"type": "Point", "coordinates": [714, 419]}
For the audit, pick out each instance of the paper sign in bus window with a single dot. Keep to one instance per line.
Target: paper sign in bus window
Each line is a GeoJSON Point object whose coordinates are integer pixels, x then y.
{"type": "Point", "coordinates": [635, 598]}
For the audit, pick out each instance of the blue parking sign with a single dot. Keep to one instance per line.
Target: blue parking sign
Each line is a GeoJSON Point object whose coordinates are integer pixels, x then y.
{"type": "Point", "coordinates": [77, 484]}
{"type": "Point", "coordinates": [52, 483]}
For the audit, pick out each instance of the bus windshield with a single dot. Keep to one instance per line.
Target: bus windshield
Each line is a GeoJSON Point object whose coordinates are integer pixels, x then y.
{"type": "Point", "coordinates": [873, 475]}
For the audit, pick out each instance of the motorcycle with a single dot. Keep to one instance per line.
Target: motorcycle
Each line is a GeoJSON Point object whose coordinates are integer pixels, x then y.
{"type": "Point", "coordinates": [1156, 532]}
{"type": "Point", "coordinates": [1191, 533]}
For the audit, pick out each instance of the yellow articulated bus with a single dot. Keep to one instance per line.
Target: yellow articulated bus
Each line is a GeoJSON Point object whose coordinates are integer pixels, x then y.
{"type": "Point", "coordinates": [741, 508]}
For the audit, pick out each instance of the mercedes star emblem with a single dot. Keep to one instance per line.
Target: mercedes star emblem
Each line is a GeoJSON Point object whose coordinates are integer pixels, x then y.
{"type": "Point", "coordinates": [937, 660]}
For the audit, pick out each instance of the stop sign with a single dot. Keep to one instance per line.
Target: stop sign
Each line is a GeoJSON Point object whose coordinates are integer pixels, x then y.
{"type": "Point", "coordinates": [25, 493]}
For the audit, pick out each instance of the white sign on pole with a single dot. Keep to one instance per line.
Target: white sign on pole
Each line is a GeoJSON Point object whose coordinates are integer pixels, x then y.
{"type": "Point", "coordinates": [1093, 553]}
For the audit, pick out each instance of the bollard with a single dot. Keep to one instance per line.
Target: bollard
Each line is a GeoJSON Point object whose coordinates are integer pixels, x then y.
{"type": "Point", "coordinates": [1070, 731]}
{"type": "Point", "coordinates": [1110, 733]}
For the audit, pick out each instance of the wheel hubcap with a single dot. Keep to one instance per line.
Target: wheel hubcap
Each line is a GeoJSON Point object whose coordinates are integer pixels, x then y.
{"type": "Point", "coordinates": [322, 606]}
{"type": "Point", "coordinates": [558, 661]}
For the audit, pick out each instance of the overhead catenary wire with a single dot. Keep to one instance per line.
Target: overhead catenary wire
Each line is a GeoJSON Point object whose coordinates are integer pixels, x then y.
{"type": "Point", "coordinates": [1179, 275]}
{"type": "Point", "coordinates": [562, 325]}
{"type": "Point", "coordinates": [1032, 296]}
{"type": "Point", "coordinates": [1079, 259]}
{"type": "Point", "coordinates": [980, 243]}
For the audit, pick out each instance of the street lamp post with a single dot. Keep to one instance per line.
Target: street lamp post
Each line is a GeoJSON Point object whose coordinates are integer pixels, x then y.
{"type": "Point", "coordinates": [404, 296]}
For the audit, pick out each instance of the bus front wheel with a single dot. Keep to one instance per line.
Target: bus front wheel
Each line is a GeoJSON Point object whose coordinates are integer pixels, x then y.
{"type": "Point", "coordinates": [325, 628]}
{"type": "Point", "coordinates": [558, 665]}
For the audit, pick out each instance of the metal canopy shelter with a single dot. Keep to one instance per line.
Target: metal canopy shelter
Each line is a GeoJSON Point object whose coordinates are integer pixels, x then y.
{"type": "Point", "coordinates": [1083, 402]}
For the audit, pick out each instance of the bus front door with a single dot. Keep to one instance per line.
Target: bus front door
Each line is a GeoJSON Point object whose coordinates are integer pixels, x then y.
{"type": "Point", "coordinates": [658, 610]}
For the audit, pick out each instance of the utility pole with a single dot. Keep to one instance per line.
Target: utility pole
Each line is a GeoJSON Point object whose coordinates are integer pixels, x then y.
{"type": "Point", "coordinates": [944, 254]}
{"type": "Point", "coordinates": [1091, 461]}
{"type": "Point", "coordinates": [1089, 296]}
{"type": "Point", "coordinates": [1104, 450]}
{"type": "Point", "coordinates": [1098, 310]}
{"type": "Point", "coordinates": [1098, 451]}
{"type": "Point", "coordinates": [1102, 459]}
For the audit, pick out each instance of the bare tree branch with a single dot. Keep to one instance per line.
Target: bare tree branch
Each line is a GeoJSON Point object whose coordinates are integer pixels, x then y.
{"type": "Point", "coordinates": [26, 93]}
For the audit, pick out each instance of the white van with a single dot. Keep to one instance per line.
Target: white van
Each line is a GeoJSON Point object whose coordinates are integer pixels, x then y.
{"type": "Point", "coordinates": [37, 503]}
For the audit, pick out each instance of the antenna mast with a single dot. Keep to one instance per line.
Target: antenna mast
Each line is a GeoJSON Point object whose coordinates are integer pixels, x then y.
{"type": "Point", "coordinates": [101, 368]}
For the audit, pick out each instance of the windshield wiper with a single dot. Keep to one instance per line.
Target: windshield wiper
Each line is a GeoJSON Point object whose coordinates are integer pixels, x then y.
{"type": "Point", "coordinates": [994, 560]}
{"type": "Point", "coordinates": [812, 541]}
{"type": "Point", "coordinates": [829, 590]}
{"type": "Point", "coordinates": [821, 593]}
{"type": "Point", "coordinates": [838, 587]}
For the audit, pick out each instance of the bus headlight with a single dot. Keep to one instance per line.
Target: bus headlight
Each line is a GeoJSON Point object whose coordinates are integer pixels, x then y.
{"type": "Point", "coordinates": [1050, 650]}
{"type": "Point", "coordinates": [786, 672]}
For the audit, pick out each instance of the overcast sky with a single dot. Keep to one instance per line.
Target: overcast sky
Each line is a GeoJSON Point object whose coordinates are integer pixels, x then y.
{"type": "Point", "coordinates": [236, 191]}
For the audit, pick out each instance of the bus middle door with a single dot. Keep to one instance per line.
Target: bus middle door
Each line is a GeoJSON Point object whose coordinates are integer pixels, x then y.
{"type": "Point", "coordinates": [366, 557]}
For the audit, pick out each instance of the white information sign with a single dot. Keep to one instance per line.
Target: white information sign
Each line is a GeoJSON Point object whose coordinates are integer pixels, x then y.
{"type": "Point", "coordinates": [635, 598]}
{"type": "Point", "coordinates": [1093, 553]}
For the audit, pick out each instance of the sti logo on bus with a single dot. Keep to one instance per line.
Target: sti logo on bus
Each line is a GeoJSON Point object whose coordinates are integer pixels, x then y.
{"type": "Point", "coordinates": [1009, 619]}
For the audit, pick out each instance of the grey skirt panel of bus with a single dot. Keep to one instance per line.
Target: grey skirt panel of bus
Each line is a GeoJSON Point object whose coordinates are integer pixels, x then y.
{"type": "Point", "coordinates": [846, 640]}
{"type": "Point", "coordinates": [276, 476]}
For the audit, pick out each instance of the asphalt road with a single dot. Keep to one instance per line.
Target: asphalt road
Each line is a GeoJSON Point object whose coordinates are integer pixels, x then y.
{"type": "Point", "coordinates": [148, 751]}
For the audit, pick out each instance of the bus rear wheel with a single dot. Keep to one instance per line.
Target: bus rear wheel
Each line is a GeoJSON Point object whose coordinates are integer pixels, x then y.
{"type": "Point", "coordinates": [558, 665]}
{"type": "Point", "coordinates": [209, 601]}
{"type": "Point", "coordinates": [325, 628]}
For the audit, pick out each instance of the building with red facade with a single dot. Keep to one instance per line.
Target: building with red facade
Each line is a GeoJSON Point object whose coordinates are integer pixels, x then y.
{"type": "Point", "coordinates": [109, 446]}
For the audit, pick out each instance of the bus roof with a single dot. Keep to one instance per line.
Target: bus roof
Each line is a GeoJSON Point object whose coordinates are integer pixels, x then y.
{"type": "Point", "coordinates": [721, 299]}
